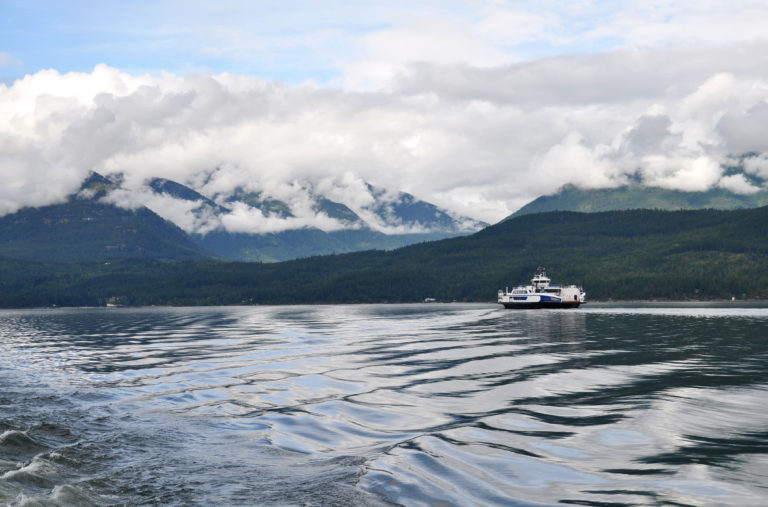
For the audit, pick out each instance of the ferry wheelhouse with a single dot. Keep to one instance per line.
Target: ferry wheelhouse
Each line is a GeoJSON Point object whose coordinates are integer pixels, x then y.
{"type": "Point", "coordinates": [542, 294]}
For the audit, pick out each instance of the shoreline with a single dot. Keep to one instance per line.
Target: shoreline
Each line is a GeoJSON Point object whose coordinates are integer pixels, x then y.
{"type": "Point", "coordinates": [756, 302]}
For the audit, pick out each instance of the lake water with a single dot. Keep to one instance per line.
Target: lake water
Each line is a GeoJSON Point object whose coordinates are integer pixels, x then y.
{"type": "Point", "coordinates": [443, 404]}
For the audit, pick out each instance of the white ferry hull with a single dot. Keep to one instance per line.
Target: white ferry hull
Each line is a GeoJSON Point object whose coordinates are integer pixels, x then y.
{"type": "Point", "coordinates": [540, 304]}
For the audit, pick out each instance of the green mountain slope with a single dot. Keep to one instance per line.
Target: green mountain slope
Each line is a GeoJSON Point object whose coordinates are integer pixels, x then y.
{"type": "Point", "coordinates": [572, 198]}
{"type": "Point", "coordinates": [301, 243]}
{"type": "Point", "coordinates": [637, 254]}
{"type": "Point", "coordinates": [84, 229]}
{"type": "Point", "coordinates": [338, 211]}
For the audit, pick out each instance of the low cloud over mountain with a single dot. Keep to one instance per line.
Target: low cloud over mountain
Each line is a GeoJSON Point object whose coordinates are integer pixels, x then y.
{"type": "Point", "coordinates": [479, 141]}
{"type": "Point", "coordinates": [294, 206]}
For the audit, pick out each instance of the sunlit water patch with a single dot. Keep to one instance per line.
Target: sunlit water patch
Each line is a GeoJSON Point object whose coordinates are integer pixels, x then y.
{"type": "Point", "coordinates": [644, 404]}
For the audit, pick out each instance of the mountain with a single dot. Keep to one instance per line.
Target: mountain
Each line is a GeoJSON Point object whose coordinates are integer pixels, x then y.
{"type": "Point", "coordinates": [338, 211]}
{"type": "Point", "coordinates": [184, 193]}
{"type": "Point", "coordinates": [89, 226]}
{"type": "Point", "coordinates": [741, 186]}
{"type": "Point", "coordinates": [265, 204]}
{"type": "Point", "coordinates": [572, 198]}
{"type": "Point", "coordinates": [404, 209]}
{"type": "Point", "coordinates": [634, 254]}
{"type": "Point", "coordinates": [306, 242]}
{"type": "Point", "coordinates": [420, 220]}
{"type": "Point", "coordinates": [85, 228]}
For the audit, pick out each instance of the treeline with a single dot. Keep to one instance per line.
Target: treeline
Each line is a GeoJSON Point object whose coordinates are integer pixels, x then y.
{"type": "Point", "coordinates": [637, 254]}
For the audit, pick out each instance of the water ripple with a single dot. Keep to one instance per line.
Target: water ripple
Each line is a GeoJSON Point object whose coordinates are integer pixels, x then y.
{"type": "Point", "coordinates": [369, 405]}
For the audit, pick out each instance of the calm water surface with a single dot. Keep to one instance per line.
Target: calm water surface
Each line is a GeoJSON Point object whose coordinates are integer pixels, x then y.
{"type": "Point", "coordinates": [377, 405]}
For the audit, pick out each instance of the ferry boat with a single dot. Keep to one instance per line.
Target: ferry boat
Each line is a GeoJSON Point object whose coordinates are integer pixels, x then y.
{"type": "Point", "coordinates": [542, 294]}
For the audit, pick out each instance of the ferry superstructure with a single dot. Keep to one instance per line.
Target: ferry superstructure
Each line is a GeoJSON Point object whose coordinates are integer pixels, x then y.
{"type": "Point", "coordinates": [543, 294]}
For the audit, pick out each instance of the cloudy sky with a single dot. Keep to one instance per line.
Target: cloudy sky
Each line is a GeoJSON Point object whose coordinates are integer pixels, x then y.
{"type": "Point", "coordinates": [477, 106]}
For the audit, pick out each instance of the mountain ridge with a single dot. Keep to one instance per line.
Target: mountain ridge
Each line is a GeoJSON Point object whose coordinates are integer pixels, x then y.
{"type": "Point", "coordinates": [353, 234]}
{"type": "Point", "coordinates": [573, 198]}
{"type": "Point", "coordinates": [631, 254]}
{"type": "Point", "coordinates": [132, 229]}
{"type": "Point", "coordinates": [85, 229]}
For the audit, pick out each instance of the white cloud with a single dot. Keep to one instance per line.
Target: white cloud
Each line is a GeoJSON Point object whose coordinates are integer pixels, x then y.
{"type": "Point", "coordinates": [738, 184]}
{"type": "Point", "coordinates": [757, 165]}
{"type": "Point", "coordinates": [644, 24]}
{"type": "Point", "coordinates": [428, 38]}
{"type": "Point", "coordinates": [480, 141]}
{"type": "Point", "coordinates": [744, 131]}
{"type": "Point", "coordinates": [245, 219]}
{"type": "Point", "coordinates": [573, 162]}
{"type": "Point", "coordinates": [688, 174]}
{"type": "Point", "coordinates": [191, 216]}
{"type": "Point", "coordinates": [651, 134]}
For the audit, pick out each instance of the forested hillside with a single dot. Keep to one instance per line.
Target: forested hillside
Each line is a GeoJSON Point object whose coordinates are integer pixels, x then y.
{"type": "Point", "coordinates": [85, 229]}
{"type": "Point", "coordinates": [638, 254]}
